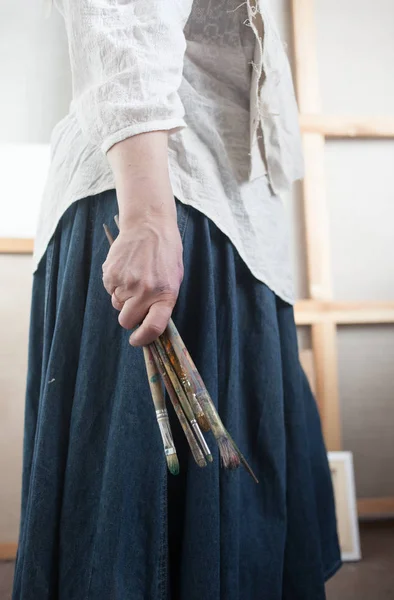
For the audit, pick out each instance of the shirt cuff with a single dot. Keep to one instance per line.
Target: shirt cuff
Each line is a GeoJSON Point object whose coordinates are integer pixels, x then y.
{"type": "Point", "coordinates": [170, 125]}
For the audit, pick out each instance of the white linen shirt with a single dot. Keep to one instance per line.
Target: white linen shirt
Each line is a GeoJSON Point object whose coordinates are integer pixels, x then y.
{"type": "Point", "coordinates": [215, 75]}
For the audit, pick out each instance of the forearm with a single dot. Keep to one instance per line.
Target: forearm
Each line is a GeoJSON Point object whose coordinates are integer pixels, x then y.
{"type": "Point", "coordinates": [140, 168]}
{"type": "Point", "coordinates": [144, 267]}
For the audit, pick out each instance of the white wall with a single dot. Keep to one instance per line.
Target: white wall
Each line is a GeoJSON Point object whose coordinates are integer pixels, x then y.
{"type": "Point", "coordinates": [35, 88]}
{"type": "Point", "coordinates": [356, 52]}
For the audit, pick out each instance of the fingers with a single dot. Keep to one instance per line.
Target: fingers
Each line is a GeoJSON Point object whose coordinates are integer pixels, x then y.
{"type": "Point", "coordinates": [153, 317]}
{"type": "Point", "coordinates": [153, 325]}
{"type": "Point", "coordinates": [108, 284]}
{"type": "Point", "coordinates": [151, 311]}
{"type": "Point", "coordinates": [132, 313]}
{"type": "Point", "coordinates": [142, 274]}
{"type": "Point", "coordinates": [114, 279]}
{"type": "Point", "coordinates": [116, 303]}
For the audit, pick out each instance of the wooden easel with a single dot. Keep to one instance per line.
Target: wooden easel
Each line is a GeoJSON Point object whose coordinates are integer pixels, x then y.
{"type": "Point", "coordinates": [320, 311]}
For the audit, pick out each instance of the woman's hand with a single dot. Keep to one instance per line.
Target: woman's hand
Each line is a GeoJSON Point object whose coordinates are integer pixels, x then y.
{"type": "Point", "coordinates": [144, 268]}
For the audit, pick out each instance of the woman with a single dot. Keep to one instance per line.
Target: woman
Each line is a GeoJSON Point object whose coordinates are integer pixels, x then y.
{"type": "Point", "coordinates": [216, 128]}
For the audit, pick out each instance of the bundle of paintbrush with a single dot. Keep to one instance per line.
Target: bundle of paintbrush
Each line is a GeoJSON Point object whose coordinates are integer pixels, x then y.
{"type": "Point", "coordinates": [168, 360]}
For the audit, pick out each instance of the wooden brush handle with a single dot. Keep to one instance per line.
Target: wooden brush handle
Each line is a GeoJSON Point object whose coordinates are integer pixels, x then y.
{"type": "Point", "coordinates": [175, 381]}
{"type": "Point", "coordinates": [184, 357]}
{"type": "Point", "coordinates": [158, 398]}
{"type": "Point", "coordinates": [154, 379]}
{"type": "Point", "coordinates": [183, 399]}
{"type": "Point", "coordinates": [194, 447]}
{"type": "Point", "coordinates": [183, 377]}
{"type": "Point", "coordinates": [195, 378]}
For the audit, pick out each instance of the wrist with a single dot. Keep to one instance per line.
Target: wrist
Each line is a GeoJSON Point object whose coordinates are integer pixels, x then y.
{"type": "Point", "coordinates": [140, 168]}
{"type": "Point", "coordinates": [146, 206]}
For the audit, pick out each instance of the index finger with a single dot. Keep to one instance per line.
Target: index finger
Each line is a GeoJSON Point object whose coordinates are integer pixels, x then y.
{"type": "Point", "coordinates": [153, 325]}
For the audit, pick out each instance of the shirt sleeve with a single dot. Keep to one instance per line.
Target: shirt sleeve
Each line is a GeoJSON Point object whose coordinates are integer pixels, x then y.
{"type": "Point", "coordinates": [126, 61]}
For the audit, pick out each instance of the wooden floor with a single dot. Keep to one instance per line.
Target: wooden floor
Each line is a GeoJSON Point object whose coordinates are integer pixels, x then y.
{"type": "Point", "coordinates": [370, 579]}
{"type": "Point", "coordinates": [373, 577]}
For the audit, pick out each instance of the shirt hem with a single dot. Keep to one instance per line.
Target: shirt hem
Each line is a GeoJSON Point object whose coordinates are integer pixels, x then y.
{"type": "Point", "coordinates": [39, 253]}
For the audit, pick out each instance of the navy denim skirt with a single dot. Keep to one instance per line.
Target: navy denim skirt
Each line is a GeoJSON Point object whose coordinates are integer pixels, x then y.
{"type": "Point", "coordinates": [101, 517]}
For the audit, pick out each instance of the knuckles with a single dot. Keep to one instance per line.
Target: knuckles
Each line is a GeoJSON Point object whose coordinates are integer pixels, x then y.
{"type": "Point", "coordinates": [146, 287]}
{"type": "Point", "coordinates": [158, 289]}
{"type": "Point", "coordinates": [109, 277]}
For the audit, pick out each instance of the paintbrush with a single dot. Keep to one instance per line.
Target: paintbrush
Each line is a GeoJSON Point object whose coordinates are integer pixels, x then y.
{"type": "Point", "coordinates": [194, 447]}
{"type": "Point", "coordinates": [108, 234]}
{"type": "Point", "coordinates": [185, 381]}
{"type": "Point", "coordinates": [161, 411]}
{"type": "Point", "coordinates": [182, 376]}
{"type": "Point", "coordinates": [176, 393]}
{"type": "Point", "coordinates": [182, 399]}
{"type": "Point", "coordinates": [157, 396]}
{"type": "Point", "coordinates": [230, 454]}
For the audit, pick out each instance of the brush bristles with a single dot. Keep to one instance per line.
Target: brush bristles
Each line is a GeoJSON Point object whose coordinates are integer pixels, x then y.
{"type": "Point", "coordinates": [229, 456]}
{"type": "Point", "coordinates": [203, 423]}
{"type": "Point", "coordinates": [173, 464]}
{"type": "Point", "coordinates": [248, 468]}
{"type": "Point", "coordinates": [243, 460]}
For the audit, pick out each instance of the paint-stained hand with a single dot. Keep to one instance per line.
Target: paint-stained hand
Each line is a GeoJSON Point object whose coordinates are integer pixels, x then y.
{"type": "Point", "coordinates": [143, 273]}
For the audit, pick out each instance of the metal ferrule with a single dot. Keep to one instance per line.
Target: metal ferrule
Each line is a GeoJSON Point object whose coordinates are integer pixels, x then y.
{"type": "Point", "coordinates": [200, 437]}
{"type": "Point", "coordinates": [162, 414]}
{"type": "Point", "coordinates": [169, 451]}
{"type": "Point", "coordinates": [165, 430]}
